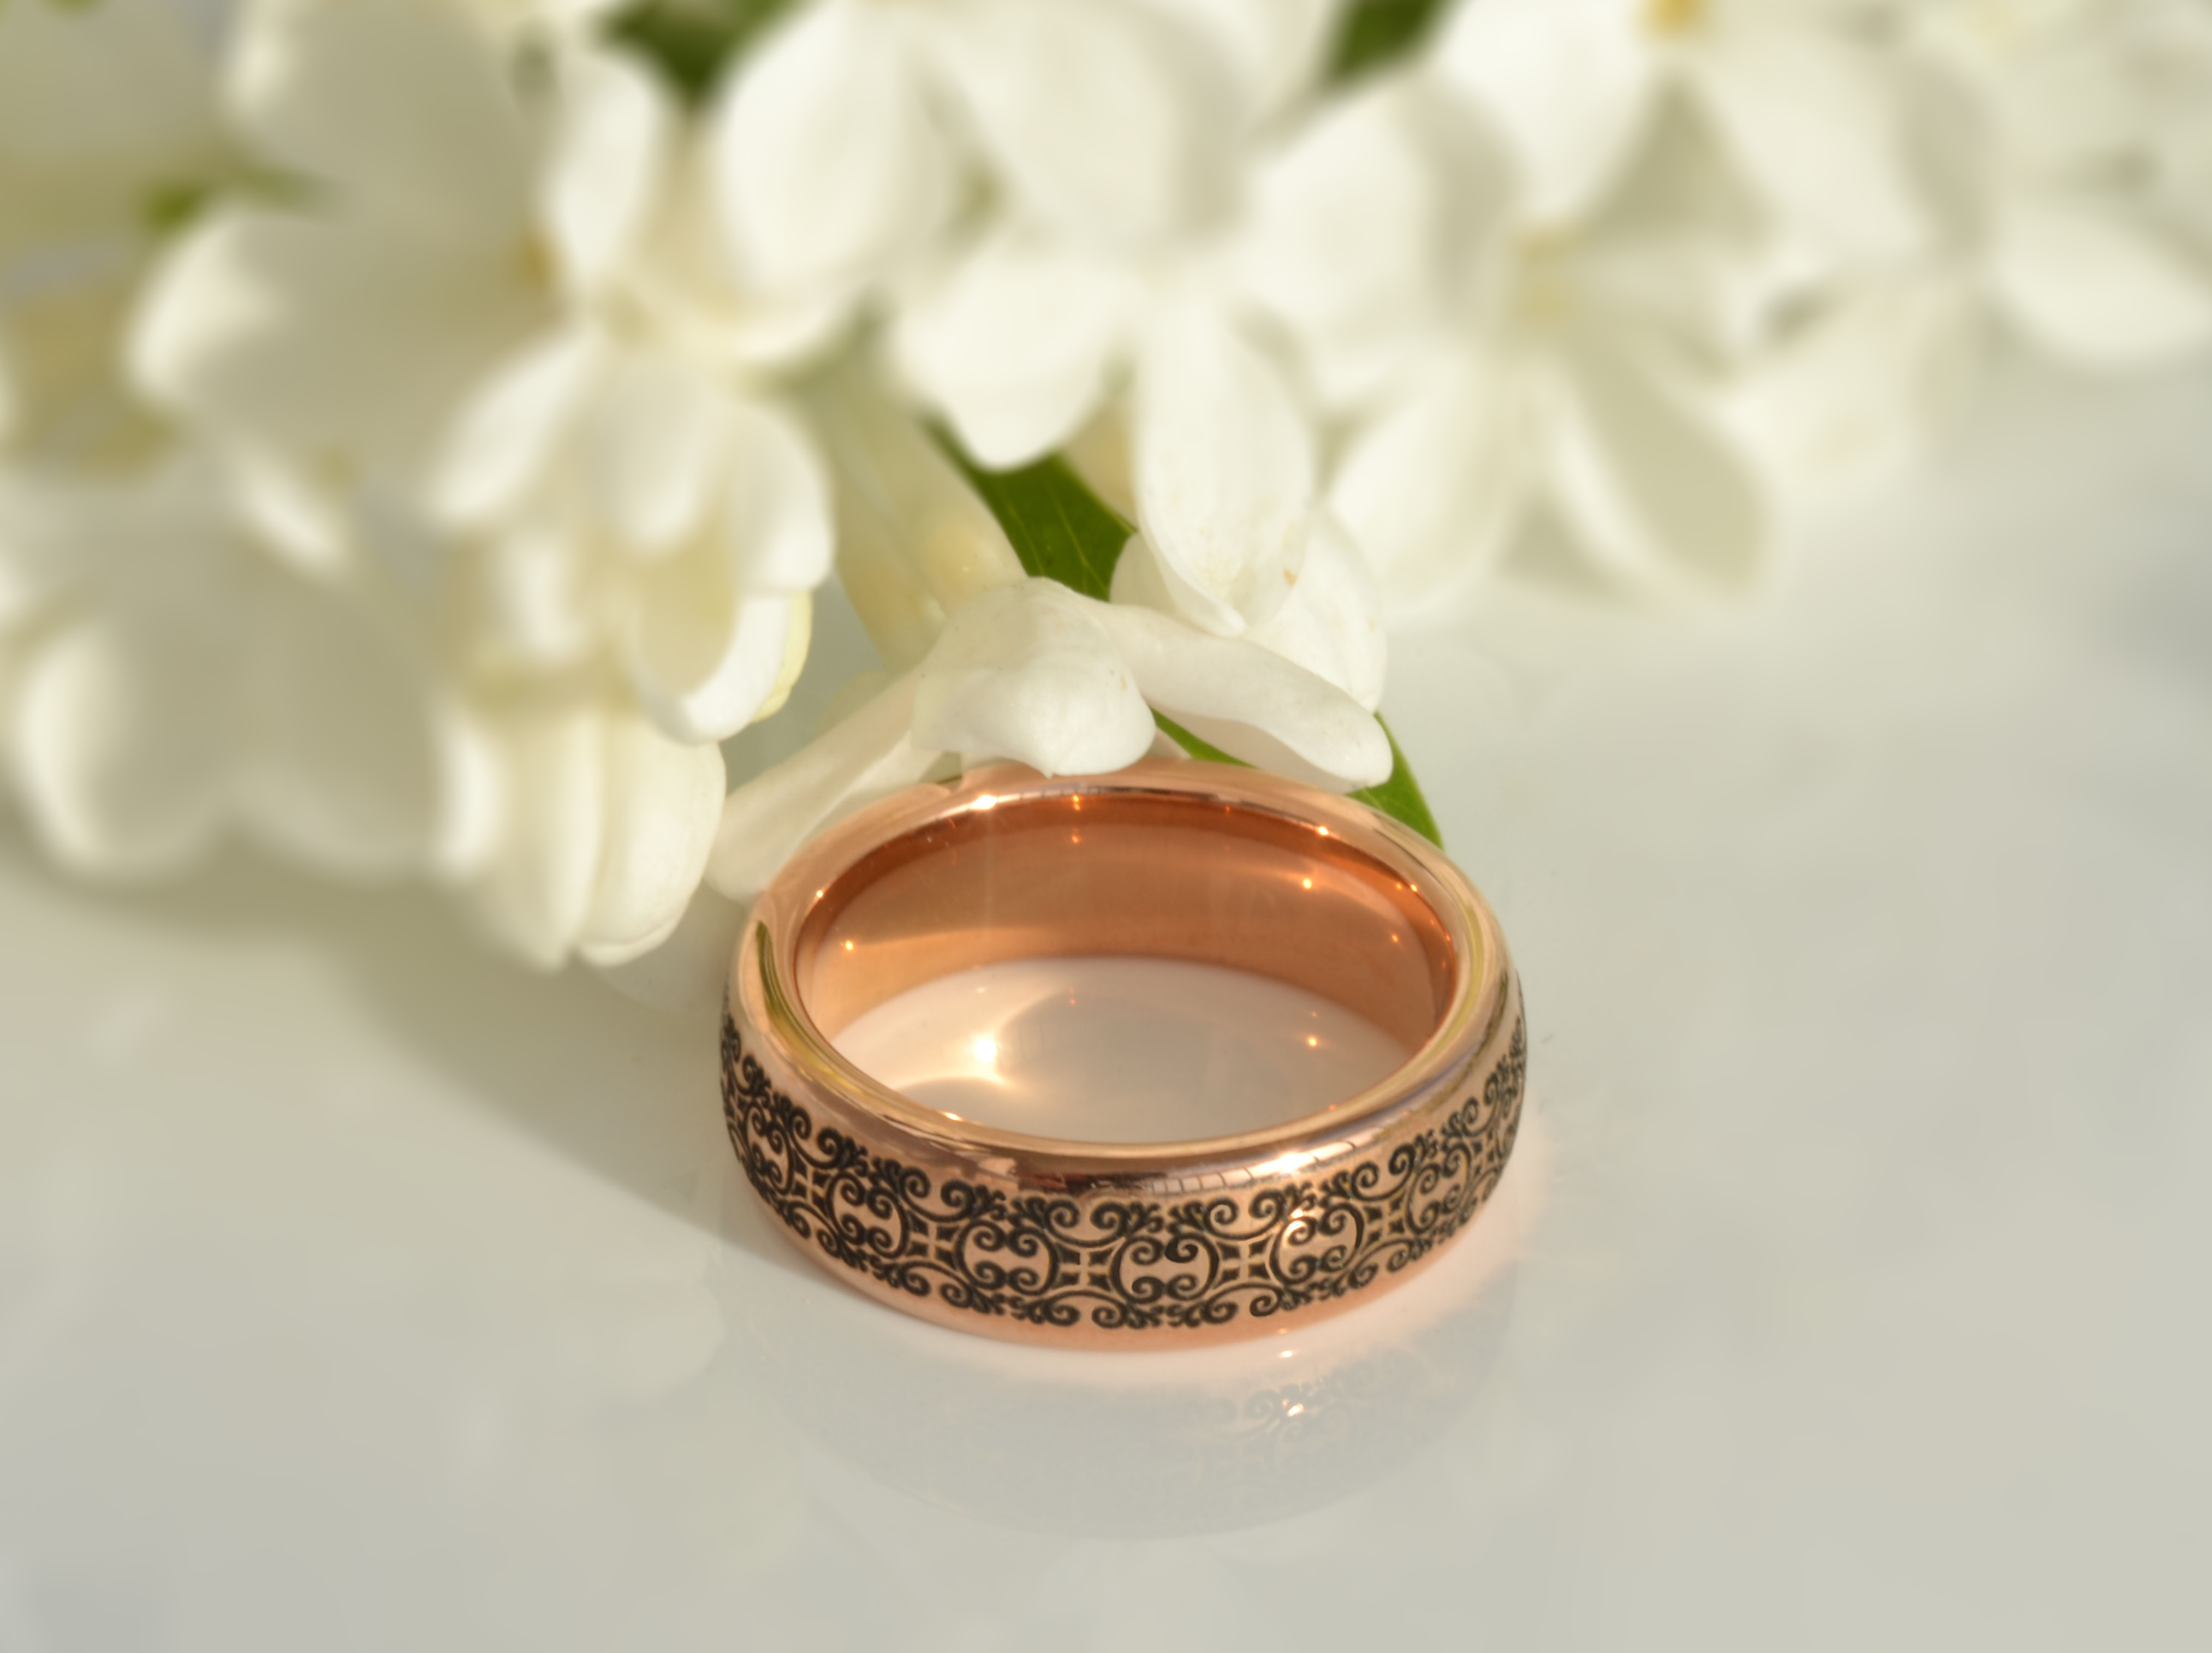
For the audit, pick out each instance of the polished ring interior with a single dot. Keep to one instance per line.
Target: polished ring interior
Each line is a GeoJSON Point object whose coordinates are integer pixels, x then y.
{"type": "Point", "coordinates": [1122, 1245]}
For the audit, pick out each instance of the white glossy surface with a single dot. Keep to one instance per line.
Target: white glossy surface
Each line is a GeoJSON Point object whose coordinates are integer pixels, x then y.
{"type": "Point", "coordinates": [1120, 1050]}
{"type": "Point", "coordinates": [357, 1292]}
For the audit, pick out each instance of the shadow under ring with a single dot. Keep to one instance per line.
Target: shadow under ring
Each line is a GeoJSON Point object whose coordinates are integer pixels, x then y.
{"type": "Point", "coordinates": [1123, 1245]}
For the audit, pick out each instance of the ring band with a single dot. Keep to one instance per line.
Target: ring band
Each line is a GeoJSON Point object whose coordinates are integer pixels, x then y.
{"type": "Point", "coordinates": [1109, 1244]}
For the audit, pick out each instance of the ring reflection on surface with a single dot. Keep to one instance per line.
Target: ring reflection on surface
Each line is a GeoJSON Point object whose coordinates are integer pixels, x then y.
{"type": "Point", "coordinates": [1094, 1445]}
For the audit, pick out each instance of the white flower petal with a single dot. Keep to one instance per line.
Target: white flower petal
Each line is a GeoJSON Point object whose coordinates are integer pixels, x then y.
{"type": "Point", "coordinates": [1643, 471]}
{"type": "Point", "coordinates": [1026, 672]}
{"type": "Point", "coordinates": [1569, 83]}
{"type": "Point", "coordinates": [343, 768]}
{"type": "Point", "coordinates": [1432, 488]}
{"type": "Point", "coordinates": [649, 449]}
{"type": "Point", "coordinates": [1224, 469]}
{"type": "Point", "coordinates": [775, 507]}
{"type": "Point", "coordinates": [53, 533]}
{"type": "Point", "coordinates": [473, 793]}
{"type": "Point", "coordinates": [1682, 245]}
{"type": "Point", "coordinates": [686, 274]}
{"type": "Point", "coordinates": [531, 599]}
{"type": "Point", "coordinates": [1332, 623]}
{"type": "Point", "coordinates": [1817, 124]}
{"type": "Point", "coordinates": [533, 896]}
{"type": "Point", "coordinates": [2100, 284]}
{"type": "Point", "coordinates": [282, 697]}
{"type": "Point", "coordinates": [869, 756]}
{"type": "Point", "coordinates": [289, 512]}
{"type": "Point", "coordinates": [127, 735]}
{"type": "Point", "coordinates": [1108, 119]}
{"type": "Point", "coordinates": [915, 540]}
{"type": "Point", "coordinates": [1013, 342]}
{"type": "Point", "coordinates": [823, 160]}
{"type": "Point", "coordinates": [798, 638]}
{"type": "Point", "coordinates": [1139, 581]}
{"type": "Point", "coordinates": [319, 333]}
{"type": "Point", "coordinates": [663, 803]}
{"type": "Point", "coordinates": [703, 658]}
{"type": "Point", "coordinates": [901, 615]}
{"type": "Point", "coordinates": [501, 443]}
{"type": "Point", "coordinates": [2048, 81]}
{"type": "Point", "coordinates": [720, 627]}
{"type": "Point", "coordinates": [1853, 397]}
{"type": "Point", "coordinates": [398, 539]}
{"type": "Point", "coordinates": [313, 81]}
{"type": "Point", "coordinates": [1252, 703]}
{"type": "Point", "coordinates": [608, 158]}
{"type": "Point", "coordinates": [1369, 228]}
{"type": "Point", "coordinates": [1275, 49]}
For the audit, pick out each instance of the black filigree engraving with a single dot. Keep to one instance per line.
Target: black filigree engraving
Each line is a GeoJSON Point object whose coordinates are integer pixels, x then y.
{"type": "Point", "coordinates": [1119, 1263]}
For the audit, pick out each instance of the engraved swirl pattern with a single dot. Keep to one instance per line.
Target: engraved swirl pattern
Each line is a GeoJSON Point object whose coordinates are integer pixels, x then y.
{"type": "Point", "coordinates": [1115, 1262]}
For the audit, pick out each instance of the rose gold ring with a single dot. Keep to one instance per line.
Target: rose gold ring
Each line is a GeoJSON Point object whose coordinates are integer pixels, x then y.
{"type": "Point", "coordinates": [1119, 1245]}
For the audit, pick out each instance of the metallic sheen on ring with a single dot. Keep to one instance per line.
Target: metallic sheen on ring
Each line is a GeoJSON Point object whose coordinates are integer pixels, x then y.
{"type": "Point", "coordinates": [1125, 1246]}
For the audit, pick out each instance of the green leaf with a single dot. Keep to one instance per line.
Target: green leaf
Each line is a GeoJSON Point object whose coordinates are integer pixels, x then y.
{"type": "Point", "coordinates": [168, 206]}
{"type": "Point", "coordinates": [1400, 797]}
{"type": "Point", "coordinates": [1059, 527]}
{"type": "Point", "coordinates": [173, 203]}
{"type": "Point", "coordinates": [1062, 531]}
{"type": "Point", "coordinates": [1376, 33]}
{"type": "Point", "coordinates": [692, 42]}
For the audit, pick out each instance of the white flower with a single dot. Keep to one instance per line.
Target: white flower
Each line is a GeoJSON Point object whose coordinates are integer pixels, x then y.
{"type": "Point", "coordinates": [914, 540]}
{"type": "Point", "coordinates": [173, 681]}
{"type": "Point", "coordinates": [1017, 329]}
{"type": "Point", "coordinates": [992, 663]}
{"type": "Point", "coordinates": [2052, 132]}
{"type": "Point", "coordinates": [419, 242]}
{"type": "Point", "coordinates": [107, 124]}
{"type": "Point", "coordinates": [1066, 684]}
{"type": "Point", "coordinates": [1801, 92]}
{"type": "Point", "coordinates": [666, 522]}
{"type": "Point", "coordinates": [169, 681]}
{"type": "Point", "coordinates": [597, 832]}
{"type": "Point", "coordinates": [436, 361]}
{"type": "Point", "coordinates": [1330, 624]}
{"type": "Point", "coordinates": [1220, 470]}
{"type": "Point", "coordinates": [916, 543]}
{"type": "Point", "coordinates": [454, 325]}
{"type": "Point", "coordinates": [2051, 151]}
{"type": "Point", "coordinates": [174, 677]}
{"type": "Point", "coordinates": [1103, 114]}
{"type": "Point", "coordinates": [1575, 371]}
{"type": "Point", "coordinates": [1368, 220]}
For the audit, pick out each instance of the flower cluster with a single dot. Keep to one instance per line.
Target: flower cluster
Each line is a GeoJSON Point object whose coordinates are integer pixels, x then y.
{"type": "Point", "coordinates": [424, 424]}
